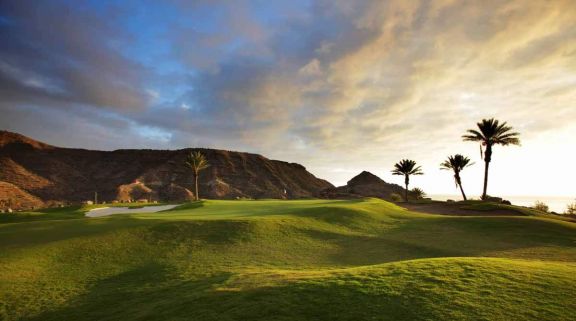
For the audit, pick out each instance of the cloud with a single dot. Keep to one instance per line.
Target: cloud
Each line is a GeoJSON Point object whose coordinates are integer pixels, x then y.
{"type": "Point", "coordinates": [57, 53]}
{"type": "Point", "coordinates": [352, 84]}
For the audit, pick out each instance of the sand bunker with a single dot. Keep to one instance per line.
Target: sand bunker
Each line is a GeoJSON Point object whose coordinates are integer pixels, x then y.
{"type": "Point", "coordinates": [105, 211]}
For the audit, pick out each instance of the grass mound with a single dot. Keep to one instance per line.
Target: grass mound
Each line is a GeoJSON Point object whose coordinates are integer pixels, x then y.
{"type": "Point", "coordinates": [286, 260]}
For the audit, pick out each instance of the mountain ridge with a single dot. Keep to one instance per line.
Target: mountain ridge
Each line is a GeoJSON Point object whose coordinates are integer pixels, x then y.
{"type": "Point", "coordinates": [71, 175]}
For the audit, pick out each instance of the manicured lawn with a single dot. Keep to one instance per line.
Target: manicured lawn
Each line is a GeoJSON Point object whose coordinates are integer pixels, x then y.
{"type": "Point", "coordinates": [285, 260]}
{"type": "Point", "coordinates": [62, 213]}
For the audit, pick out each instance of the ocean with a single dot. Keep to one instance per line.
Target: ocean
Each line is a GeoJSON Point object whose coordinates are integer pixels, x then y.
{"type": "Point", "coordinates": [557, 204]}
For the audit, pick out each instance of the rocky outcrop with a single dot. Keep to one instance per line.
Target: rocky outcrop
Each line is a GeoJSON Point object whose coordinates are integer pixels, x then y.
{"type": "Point", "coordinates": [364, 184]}
{"type": "Point", "coordinates": [135, 191]}
{"type": "Point", "coordinates": [12, 197]}
{"type": "Point", "coordinates": [53, 174]}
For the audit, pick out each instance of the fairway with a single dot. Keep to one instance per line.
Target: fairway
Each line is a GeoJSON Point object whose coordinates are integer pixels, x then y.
{"type": "Point", "coordinates": [285, 260]}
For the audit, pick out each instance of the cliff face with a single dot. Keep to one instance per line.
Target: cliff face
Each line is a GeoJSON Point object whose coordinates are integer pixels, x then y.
{"type": "Point", "coordinates": [364, 184]}
{"type": "Point", "coordinates": [51, 173]}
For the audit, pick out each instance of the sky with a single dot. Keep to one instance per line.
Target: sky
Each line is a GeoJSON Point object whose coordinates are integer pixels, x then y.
{"type": "Point", "coordinates": [338, 86]}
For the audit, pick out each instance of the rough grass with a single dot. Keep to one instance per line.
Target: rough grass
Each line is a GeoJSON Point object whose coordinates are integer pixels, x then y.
{"type": "Point", "coordinates": [528, 211]}
{"type": "Point", "coordinates": [286, 260]}
{"type": "Point", "coordinates": [485, 206]}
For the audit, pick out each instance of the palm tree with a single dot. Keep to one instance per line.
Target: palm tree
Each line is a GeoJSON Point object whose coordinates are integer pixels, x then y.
{"type": "Point", "coordinates": [491, 132]}
{"type": "Point", "coordinates": [406, 167]}
{"type": "Point", "coordinates": [197, 161]}
{"type": "Point", "coordinates": [457, 163]}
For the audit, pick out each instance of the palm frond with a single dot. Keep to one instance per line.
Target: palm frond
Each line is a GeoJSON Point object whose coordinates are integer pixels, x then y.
{"type": "Point", "coordinates": [407, 167]}
{"type": "Point", "coordinates": [473, 136]}
{"type": "Point", "coordinates": [197, 161]}
{"type": "Point", "coordinates": [456, 163]}
{"type": "Point", "coordinates": [446, 165]}
{"type": "Point", "coordinates": [492, 132]}
{"type": "Point", "coordinates": [416, 171]}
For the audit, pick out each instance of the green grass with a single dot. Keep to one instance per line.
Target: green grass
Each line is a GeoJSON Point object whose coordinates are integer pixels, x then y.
{"type": "Point", "coordinates": [63, 213]}
{"type": "Point", "coordinates": [286, 260]}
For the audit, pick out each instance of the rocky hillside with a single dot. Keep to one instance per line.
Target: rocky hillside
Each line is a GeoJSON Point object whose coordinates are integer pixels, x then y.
{"type": "Point", "coordinates": [364, 184]}
{"type": "Point", "coordinates": [53, 174]}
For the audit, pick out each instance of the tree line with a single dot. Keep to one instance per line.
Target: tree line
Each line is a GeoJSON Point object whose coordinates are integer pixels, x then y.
{"type": "Point", "coordinates": [489, 133]}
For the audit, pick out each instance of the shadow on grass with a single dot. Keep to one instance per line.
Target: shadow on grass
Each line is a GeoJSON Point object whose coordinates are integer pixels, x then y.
{"type": "Point", "coordinates": [454, 290]}
{"type": "Point", "coordinates": [148, 293]}
{"type": "Point", "coordinates": [520, 237]}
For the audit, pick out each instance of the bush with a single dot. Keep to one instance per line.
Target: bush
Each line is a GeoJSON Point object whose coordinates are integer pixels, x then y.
{"type": "Point", "coordinates": [493, 199]}
{"type": "Point", "coordinates": [571, 209]}
{"type": "Point", "coordinates": [541, 206]}
{"type": "Point", "coordinates": [395, 197]}
{"type": "Point", "coordinates": [418, 193]}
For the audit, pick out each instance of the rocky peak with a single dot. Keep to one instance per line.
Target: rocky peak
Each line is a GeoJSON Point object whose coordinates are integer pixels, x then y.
{"type": "Point", "coordinates": [365, 178]}
{"type": "Point", "coordinates": [364, 184]}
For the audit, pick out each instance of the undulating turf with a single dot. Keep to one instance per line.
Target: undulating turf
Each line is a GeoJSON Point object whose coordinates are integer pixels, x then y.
{"type": "Point", "coordinates": [285, 260]}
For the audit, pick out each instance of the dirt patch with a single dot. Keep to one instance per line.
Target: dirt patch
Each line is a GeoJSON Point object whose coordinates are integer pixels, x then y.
{"type": "Point", "coordinates": [456, 210]}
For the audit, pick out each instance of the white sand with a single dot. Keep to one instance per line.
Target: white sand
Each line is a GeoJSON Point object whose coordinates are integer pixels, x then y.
{"type": "Point", "coordinates": [105, 211]}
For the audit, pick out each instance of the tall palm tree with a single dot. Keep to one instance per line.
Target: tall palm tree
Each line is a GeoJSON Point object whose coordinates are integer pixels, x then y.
{"type": "Point", "coordinates": [491, 132]}
{"type": "Point", "coordinates": [457, 163]}
{"type": "Point", "coordinates": [197, 161]}
{"type": "Point", "coordinates": [406, 167]}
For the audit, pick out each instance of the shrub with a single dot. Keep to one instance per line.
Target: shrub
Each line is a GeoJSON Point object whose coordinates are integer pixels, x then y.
{"type": "Point", "coordinates": [541, 206]}
{"type": "Point", "coordinates": [493, 199]}
{"type": "Point", "coordinates": [395, 197]}
{"type": "Point", "coordinates": [418, 193]}
{"type": "Point", "coordinates": [571, 209]}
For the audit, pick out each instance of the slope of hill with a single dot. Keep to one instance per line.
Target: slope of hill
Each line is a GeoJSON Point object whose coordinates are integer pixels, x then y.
{"type": "Point", "coordinates": [364, 184]}
{"type": "Point", "coordinates": [15, 140]}
{"type": "Point", "coordinates": [287, 260]}
{"type": "Point", "coordinates": [72, 175]}
{"type": "Point", "coordinates": [11, 196]}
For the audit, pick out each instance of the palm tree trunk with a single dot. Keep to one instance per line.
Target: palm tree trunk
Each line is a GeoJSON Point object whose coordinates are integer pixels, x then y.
{"type": "Point", "coordinates": [459, 182]}
{"type": "Point", "coordinates": [462, 190]}
{"type": "Point", "coordinates": [487, 164]}
{"type": "Point", "coordinates": [406, 194]}
{"type": "Point", "coordinates": [487, 159]}
{"type": "Point", "coordinates": [407, 181]}
{"type": "Point", "coordinates": [463, 195]}
{"type": "Point", "coordinates": [196, 183]}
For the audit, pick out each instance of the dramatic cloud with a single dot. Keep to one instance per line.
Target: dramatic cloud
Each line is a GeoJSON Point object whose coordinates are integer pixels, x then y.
{"type": "Point", "coordinates": [340, 86]}
{"type": "Point", "coordinates": [55, 55]}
